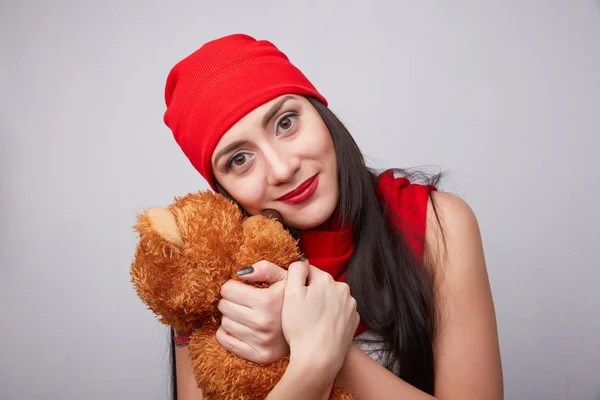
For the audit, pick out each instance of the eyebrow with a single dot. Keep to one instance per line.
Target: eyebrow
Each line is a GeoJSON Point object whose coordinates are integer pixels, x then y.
{"type": "Point", "coordinates": [229, 148]}
{"type": "Point", "coordinates": [274, 109]}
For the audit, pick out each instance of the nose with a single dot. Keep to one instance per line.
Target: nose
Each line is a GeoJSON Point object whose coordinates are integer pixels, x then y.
{"type": "Point", "coordinates": [281, 166]}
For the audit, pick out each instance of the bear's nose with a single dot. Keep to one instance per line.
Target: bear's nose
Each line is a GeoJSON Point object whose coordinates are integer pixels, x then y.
{"type": "Point", "coordinates": [270, 213]}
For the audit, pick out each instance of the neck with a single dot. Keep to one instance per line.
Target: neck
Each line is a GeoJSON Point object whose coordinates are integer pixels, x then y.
{"type": "Point", "coordinates": [325, 226]}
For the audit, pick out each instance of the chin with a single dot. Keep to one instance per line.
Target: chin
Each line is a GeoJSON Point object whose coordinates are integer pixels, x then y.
{"type": "Point", "coordinates": [310, 216]}
{"type": "Point", "coordinates": [305, 223]}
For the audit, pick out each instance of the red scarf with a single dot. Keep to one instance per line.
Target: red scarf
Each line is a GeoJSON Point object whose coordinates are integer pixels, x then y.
{"type": "Point", "coordinates": [405, 203]}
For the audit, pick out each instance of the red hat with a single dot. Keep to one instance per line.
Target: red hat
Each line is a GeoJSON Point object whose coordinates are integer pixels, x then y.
{"type": "Point", "coordinates": [212, 88]}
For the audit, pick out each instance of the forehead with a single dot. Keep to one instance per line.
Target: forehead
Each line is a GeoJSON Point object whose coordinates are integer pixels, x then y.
{"type": "Point", "coordinates": [253, 120]}
{"type": "Point", "coordinates": [258, 113]}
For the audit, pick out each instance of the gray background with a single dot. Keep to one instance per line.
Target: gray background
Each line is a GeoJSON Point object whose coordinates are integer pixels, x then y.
{"type": "Point", "coordinates": [504, 96]}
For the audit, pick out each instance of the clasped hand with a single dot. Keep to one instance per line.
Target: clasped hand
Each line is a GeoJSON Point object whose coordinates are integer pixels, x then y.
{"type": "Point", "coordinates": [304, 310]}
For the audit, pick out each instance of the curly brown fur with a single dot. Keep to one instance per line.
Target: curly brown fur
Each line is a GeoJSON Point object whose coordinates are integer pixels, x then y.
{"type": "Point", "coordinates": [266, 239]}
{"type": "Point", "coordinates": [181, 283]}
{"type": "Point", "coordinates": [185, 253]}
{"type": "Point", "coordinates": [219, 371]}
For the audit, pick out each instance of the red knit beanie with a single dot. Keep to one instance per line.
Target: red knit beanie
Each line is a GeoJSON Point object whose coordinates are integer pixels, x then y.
{"type": "Point", "coordinates": [211, 89]}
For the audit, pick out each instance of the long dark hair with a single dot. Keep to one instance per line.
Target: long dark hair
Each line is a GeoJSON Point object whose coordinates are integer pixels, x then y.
{"type": "Point", "coordinates": [394, 290]}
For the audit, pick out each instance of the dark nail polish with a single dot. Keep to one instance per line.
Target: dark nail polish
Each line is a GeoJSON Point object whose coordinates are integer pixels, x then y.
{"type": "Point", "coordinates": [245, 271]}
{"type": "Point", "coordinates": [302, 259]}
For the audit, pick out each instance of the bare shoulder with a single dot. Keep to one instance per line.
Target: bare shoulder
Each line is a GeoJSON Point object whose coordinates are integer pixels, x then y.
{"type": "Point", "coordinates": [454, 215]}
{"type": "Point", "coordinates": [452, 229]}
{"type": "Point", "coordinates": [454, 248]}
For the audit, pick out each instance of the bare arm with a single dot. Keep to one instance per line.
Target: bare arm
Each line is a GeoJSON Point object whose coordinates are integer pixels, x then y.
{"type": "Point", "coordinates": [302, 382]}
{"type": "Point", "coordinates": [313, 383]}
{"type": "Point", "coordinates": [298, 382]}
{"type": "Point", "coordinates": [367, 379]}
{"type": "Point", "coordinates": [466, 351]}
{"type": "Point", "coordinates": [187, 389]}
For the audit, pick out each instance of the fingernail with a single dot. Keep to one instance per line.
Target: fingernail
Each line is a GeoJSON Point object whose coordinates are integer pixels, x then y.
{"type": "Point", "coordinates": [245, 271]}
{"type": "Point", "coordinates": [302, 259]}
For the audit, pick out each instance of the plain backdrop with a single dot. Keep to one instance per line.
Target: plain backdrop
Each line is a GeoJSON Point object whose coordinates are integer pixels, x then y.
{"type": "Point", "coordinates": [504, 96]}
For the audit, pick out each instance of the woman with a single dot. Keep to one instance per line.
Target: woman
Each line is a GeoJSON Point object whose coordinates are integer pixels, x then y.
{"type": "Point", "coordinates": [408, 258]}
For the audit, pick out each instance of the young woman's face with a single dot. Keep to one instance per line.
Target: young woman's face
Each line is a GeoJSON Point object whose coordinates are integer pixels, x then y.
{"type": "Point", "coordinates": [280, 156]}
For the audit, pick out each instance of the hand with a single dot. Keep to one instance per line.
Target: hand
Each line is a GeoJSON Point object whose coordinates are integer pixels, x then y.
{"type": "Point", "coordinates": [319, 319]}
{"type": "Point", "coordinates": [251, 323]}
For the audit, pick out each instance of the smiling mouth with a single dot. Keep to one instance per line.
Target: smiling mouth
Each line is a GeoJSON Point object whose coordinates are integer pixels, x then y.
{"type": "Point", "coordinates": [302, 192]}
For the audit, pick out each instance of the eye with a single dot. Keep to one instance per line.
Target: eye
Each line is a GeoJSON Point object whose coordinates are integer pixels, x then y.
{"type": "Point", "coordinates": [237, 161]}
{"type": "Point", "coordinates": [287, 122]}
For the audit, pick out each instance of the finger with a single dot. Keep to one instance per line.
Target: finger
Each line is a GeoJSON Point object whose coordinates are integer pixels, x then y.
{"type": "Point", "coordinates": [237, 330]}
{"type": "Point", "coordinates": [236, 312]}
{"type": "Point", "coordinates": [298, 273]}
{"type": "Point", "coordinates": [318, 276]}
{"type": "Point", "coordinates": [240, 293]}
{"type": "Point", "coordinates": [264, 271]}
{"type": "Point", "coordinates": [235, 345]}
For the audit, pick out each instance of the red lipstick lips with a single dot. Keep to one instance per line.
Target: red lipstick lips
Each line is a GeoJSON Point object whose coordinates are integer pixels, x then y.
{"type": "Point", "coordinates": [302, 192]}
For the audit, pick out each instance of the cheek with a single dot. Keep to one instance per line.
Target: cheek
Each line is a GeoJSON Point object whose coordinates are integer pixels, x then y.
{"type": "Point", "coordinates": [318, 143]}
{"type": "Point", "coordinates": [247, 191]}
{"type": "Point", "coordinates": [326, 153]}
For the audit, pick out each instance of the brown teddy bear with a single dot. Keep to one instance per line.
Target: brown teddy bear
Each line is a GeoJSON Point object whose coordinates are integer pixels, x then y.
{"type": "Point", "coordinates": [185, 253]}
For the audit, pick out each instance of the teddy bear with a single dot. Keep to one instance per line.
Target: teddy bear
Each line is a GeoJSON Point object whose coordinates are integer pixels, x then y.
{"type": "Point", "coordinates": [185, 253]}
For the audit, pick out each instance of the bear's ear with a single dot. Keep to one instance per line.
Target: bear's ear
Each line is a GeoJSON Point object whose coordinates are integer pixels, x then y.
{"type": "Point", "coordinates": [164, 224]}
